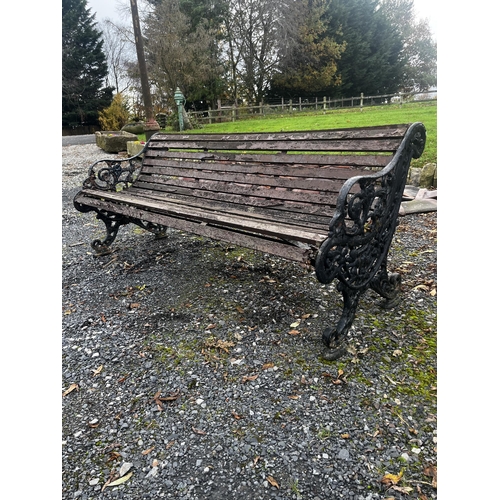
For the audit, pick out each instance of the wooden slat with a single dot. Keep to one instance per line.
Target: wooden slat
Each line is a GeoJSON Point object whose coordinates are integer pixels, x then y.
{"type": "Point", "coordinates": [207, 215]}
{"type": "Point", "coordinates": [315, 198]}
{"type": "Point", "coordinates": [237, 200]}
{"type": "Point", "coordinates": [292, 217]}
{"type": "Point", "coordinates": [368, 145]}
{"type": "Point", "coordinates": [260, 243]}
{"type": "Point", "coordinates": [161, 166]}
{"type": "Point", "coordinates": [295, 159]}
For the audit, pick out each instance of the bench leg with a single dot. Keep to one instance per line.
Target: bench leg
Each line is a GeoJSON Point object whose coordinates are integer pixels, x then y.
{"type": "Point", "coordinates": [112, 223]}
{"type": "Point", "coordinates": [334, 338]}
{"type": "Point", "coordinates": [387, 286]}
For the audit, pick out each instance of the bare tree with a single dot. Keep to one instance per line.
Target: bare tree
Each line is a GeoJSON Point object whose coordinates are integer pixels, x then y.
{"type": "Point", "coordinates": [119, 50]}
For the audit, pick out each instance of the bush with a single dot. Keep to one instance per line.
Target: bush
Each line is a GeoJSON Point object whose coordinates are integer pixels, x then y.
{"type": "Point", "coordinates": [116, 115]}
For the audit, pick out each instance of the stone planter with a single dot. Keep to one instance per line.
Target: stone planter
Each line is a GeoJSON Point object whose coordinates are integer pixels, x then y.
{"type": "Point", "coordinates": [114, 141]}
{"type": "Point", "coordinates": [134, 128]}
{"type": "Point", "coordinates": [134, 147]}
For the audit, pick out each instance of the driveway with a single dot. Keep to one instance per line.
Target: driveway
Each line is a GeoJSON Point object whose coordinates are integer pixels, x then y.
{"type": "Point", "coordinates": [75, 140]}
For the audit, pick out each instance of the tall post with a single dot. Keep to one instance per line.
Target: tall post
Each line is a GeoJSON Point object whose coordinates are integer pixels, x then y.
{"type": "Point", "coordinates": [151, 124]}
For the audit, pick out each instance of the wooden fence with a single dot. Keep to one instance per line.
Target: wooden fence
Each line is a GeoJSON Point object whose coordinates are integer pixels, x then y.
{"type": "Point", "coordinates": [234, 113]}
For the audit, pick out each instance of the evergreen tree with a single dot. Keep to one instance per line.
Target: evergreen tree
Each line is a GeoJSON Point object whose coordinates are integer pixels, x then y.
{"type": "Point", "coordinates": [84, 67]}
{"type": "Point", "coordinates": [371, 62]}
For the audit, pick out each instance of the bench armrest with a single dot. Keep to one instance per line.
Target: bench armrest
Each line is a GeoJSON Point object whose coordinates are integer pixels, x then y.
{"type": "Point", "coordinates": [113, 174]}
{"type": "Point", "coordinates": [361, 230]}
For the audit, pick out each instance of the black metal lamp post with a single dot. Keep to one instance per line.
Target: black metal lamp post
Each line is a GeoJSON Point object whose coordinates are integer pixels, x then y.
{"type": "Point", "coordinates": [151, 124]}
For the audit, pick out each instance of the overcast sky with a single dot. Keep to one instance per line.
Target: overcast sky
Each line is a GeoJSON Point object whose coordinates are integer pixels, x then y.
{"type": "Point", "coordinates": [109, 9]}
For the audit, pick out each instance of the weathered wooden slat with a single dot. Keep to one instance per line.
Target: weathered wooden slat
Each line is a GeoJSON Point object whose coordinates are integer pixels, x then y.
{"type": "Point", "coordinates": [294, 159]}
{"type": "Point", "coordinates": [238, 200]}
{"type": "Point", "coordinates": [164, 166]}
{"type": "Point", "coordinates": [234, 237]}
{"type": "Point", "coordinates": [206, 215]}
{"type": "Point", "coordinates": [367, 145]}
{"type": "Point", "coordinates": [316, 222]}
{"type": "Point", "coordinates": [377, 132]}
{"type": "Point", "coordinates": [315, 198]}
{"type": "Point", "coordinates": [282, 181]}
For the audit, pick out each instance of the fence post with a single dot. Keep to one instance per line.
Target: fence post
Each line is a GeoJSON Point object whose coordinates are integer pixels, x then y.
{"type": "Point", "coordinates": [282, 104]}
{"type": "Point", "coordinates": [324, 103]}
{"type": "Point", "coordinates": [233, 113]}
{"type": "Point", "coordinates": [361, 102]}
{"type": "Point", "coordinates": [290, 106]}
{"type": "Point", "coordinates": [300, 103]}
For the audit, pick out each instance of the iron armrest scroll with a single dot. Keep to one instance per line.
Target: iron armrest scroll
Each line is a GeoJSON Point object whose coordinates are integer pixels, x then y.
{"type": "Point", "coordinates": [361, 230]}
{"type": "Point", "coordinates": [113, 175]}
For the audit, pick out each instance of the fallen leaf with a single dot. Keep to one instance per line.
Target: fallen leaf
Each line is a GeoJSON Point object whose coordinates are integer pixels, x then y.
{"type": "Point", "coordinates": [403, 489]}
{"type": "Point", "coordinates": [211, 327]}
{"type": "Point", "coordinates": [266, 366]}
{"type": "Point", "coordinates": [71, 388]}
{"type": "Point", "coordinates": [345, 436]}
{"type": "Point", "coordinates": [134, 305]}
{"type": "Point", "coordinates": [431, 470]}
{"type": "Point", "coordinates": [97, 370]}
{"type": "Point", "coordinates": [240, 309]}
{"type": "Point", "coordinates": [198, 431]}
{"type": "Point", "coordinates": [391, 479]}
{"type": "Point", "coordinates": [149, 450]}
{"type": "Point", "coordinates": [293, 332]}
{"type": "Point", "coordinates": [249, 378]}
{"type": "Point", "coordinates": [433, 292]}
{"type": "Point", "coordinates": [293, 396]}
{"type": "Point", "coordinates": [123, 378]}
{"type": "Point", "coordinates": [121, 480]}
{"type": "Point", "coordinates": [295, 325]}
{"type": "Point", "coordinates": [236, 416]}
{"type": "Point", "coordinates": [305, 316]}
{"type": "Point", "coordinates": [273, 482]}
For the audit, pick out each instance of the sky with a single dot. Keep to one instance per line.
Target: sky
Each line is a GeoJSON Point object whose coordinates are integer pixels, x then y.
{"type": "Point", "coordinates": [108, 9]}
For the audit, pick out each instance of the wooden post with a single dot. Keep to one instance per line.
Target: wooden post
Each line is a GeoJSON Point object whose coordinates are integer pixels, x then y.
{"type": "Point", "coordinates": [361, 102]}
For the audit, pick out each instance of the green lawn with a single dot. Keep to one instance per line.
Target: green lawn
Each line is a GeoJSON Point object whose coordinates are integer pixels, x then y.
{"type": "Point", "coordinates": [341, 118]}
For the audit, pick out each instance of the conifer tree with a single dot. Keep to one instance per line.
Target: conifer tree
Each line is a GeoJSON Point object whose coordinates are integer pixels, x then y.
{"type": "Point", "coordinates": [84, 66]}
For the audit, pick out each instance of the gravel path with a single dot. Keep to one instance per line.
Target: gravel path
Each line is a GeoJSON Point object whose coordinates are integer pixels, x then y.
{"type": "Point", "coordinates": [191, 370]}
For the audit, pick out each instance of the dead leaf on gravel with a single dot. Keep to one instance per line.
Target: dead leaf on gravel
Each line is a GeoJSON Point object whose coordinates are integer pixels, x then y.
{"type": "Point", "coordinates": [97, 370]}
{"type": "Point", "coordinates": [149, 450]}
{"type": "Point", "coordinates": [236, 416]}
{"type": "Point", "coordinates": [293, 332]}
{"type": "Point", "coordinates": [134, 305]}
{"type": "Point", "coordinates": [273, 482]}
{"type": "Point", "coordinates": [266, 366]}
{"type": "Point", "coordinates": [71, 388]}
{"type": "Point", "coordinates": [406, 490]}
{"type": "Point", "coordinates": [431, 470]}
{"type": "Point", "coordinates": [198, 431]}
{"type": "Point", "coordinates": [249, 378]}
{"type": "Point", "coordinates": [121, 480]}
{"type": "Point", "coordinates": [391, 479]}
{"type": "Point", "coordinates": [159, 400]}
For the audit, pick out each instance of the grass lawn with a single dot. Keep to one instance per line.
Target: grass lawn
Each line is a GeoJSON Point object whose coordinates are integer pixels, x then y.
{"type": "Point", "coordinates": [341, 118]}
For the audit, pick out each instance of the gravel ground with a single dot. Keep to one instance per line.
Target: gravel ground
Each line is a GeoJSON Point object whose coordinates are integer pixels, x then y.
{"type": "Point", "coordinates": [192, 370]}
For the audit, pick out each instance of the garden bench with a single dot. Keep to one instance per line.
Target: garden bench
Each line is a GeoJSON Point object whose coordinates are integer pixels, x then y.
{"type": "Point", "coordinates": [327, 198]}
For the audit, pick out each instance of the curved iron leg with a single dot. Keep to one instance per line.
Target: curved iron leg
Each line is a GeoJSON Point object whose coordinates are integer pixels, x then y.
{"type": "Point", "coordinates": [387, 286]}
{"type": "Point", "coordinates": [112, 223]}
{"type": "Point", "coordinates": [334, 338]}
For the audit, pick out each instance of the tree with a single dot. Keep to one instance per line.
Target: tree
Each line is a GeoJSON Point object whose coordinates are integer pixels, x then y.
{"type": "Point", "coordinates": [371, 62]}
{"type": "Point", "coordinates": [179, 53]}
{"type": "Point", "coordinates": [84, 66]}
{"type": "Point", "coordinates": [308, 65]}
{"type": "Point", "coordinates": [119, 50]}
{"type": "Point", "coordinates": [419, 54]}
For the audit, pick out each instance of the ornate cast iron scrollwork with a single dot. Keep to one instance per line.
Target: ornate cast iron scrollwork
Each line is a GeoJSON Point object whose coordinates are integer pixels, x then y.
{"type": "Point", "coordinates": [114, 174]}
{"type": "Point", "coordinates": [361, 232]}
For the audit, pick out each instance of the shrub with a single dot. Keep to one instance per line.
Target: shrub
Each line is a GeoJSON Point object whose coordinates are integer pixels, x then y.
{"type": "Point", "coordinates": [116, 115]}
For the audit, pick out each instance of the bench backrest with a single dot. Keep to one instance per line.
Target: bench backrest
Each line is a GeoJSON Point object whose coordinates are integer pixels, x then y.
{"type": "Point", "coordinates": [304, 170]}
